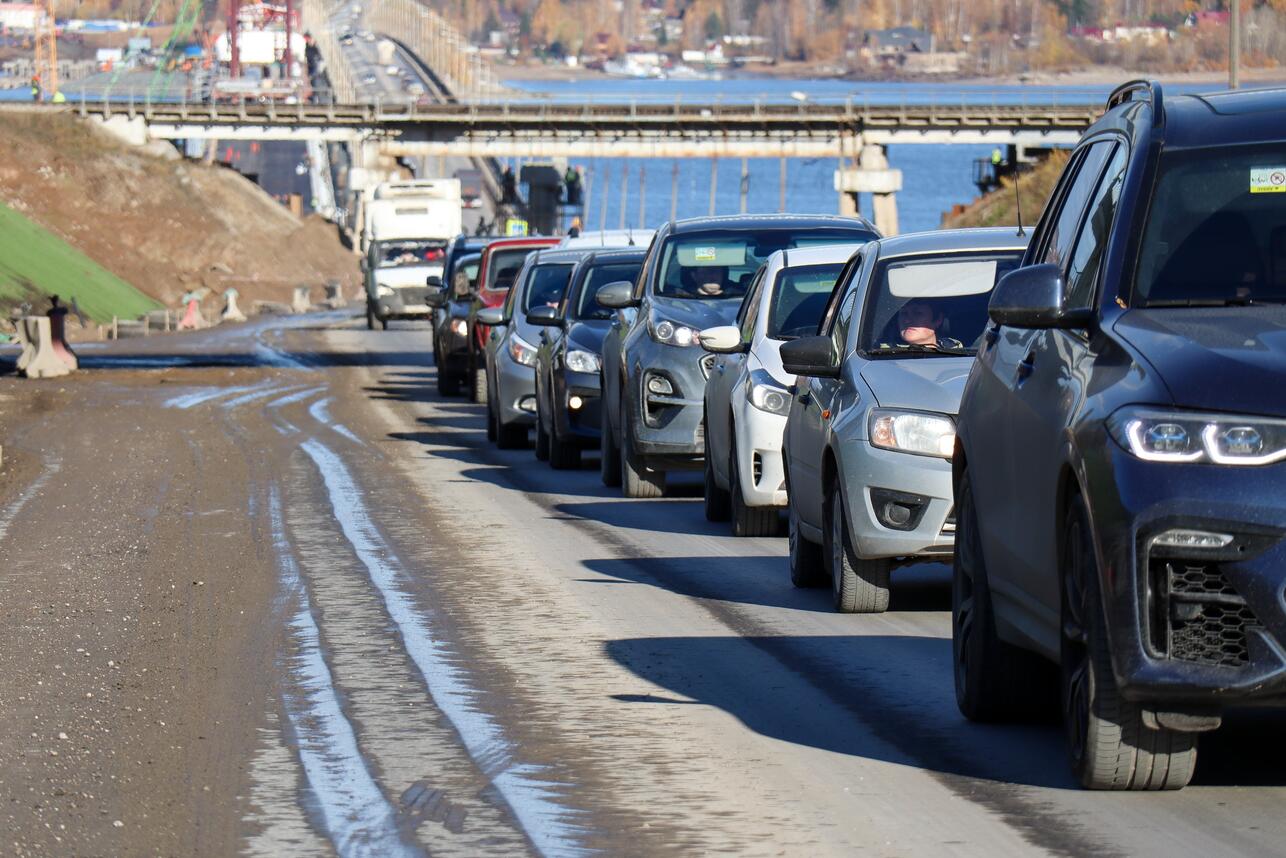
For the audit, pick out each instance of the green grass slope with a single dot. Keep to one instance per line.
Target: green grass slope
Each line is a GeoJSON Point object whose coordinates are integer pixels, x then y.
{"type": "Point", "coordinates": [35, 263]}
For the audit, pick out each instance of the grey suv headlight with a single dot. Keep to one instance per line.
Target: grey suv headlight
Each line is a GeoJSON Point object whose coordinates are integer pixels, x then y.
{"type": "Point", "coordinates": [766, 394]}
{"type": "Point", "coordinates": [521, 351]}
{"type": "Point", "coordinates": [1158, 435]}
{"type": "Point", "coordinates": [917, 432]}
{"type": "Point", "coordinates": [671, 333]}
{"type": "Point", "coordinates": [582, 361]}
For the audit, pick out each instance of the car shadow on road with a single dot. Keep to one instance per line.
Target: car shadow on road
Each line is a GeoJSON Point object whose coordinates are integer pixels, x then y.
{"type": "Point", "coordinates": [654, 515]}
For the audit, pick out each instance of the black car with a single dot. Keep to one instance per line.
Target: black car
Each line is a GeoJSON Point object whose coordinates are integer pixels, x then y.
{"type": "Point", "coordinates": [569, 357]}
{"type": "Point", "coordinates": [1121, 450]}
{"type": "Point", "coordinates": [654, 370]}
{"type": "Point", "coordinates": [450, 301]}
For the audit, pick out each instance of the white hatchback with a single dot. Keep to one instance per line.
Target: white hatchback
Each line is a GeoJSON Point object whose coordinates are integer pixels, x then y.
{"type": "Point", "coordinates": [748, 394]}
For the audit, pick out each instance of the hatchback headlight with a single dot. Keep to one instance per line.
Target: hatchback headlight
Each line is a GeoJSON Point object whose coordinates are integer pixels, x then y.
{"type": "Point", "coordinates": [1155, 435]}
{"type": "Point", "coordinates": [913, 432]}
{"type": "Point", "coordinates": [766, 394]}
{"type": "Point", "coordinates": [582, 361]}
{"type": "Point", "coordinates": [521, 351]}
{"type": "Point", "coordinates": [671, 333]}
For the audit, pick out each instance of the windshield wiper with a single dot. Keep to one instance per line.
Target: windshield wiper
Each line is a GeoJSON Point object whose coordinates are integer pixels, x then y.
{"type": "Point", "coordinates": [920, 349]}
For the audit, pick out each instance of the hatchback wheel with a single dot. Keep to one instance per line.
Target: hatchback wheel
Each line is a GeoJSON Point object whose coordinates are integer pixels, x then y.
{"type": "Point", "coordinates": [1111, 747]}
{"type": "Point", "coordinates": [636, 480]}
{"type": "Point", "coordinates": [717, 501]}
{"type": "Point", "coordinates": [748, 520]}
{"type": "Point", "coordinates": [370, 317]}
{"type": "Point", "coordinates": [542, 438]}
{"type": "Point", "coordinates": [995, 681]}
{"type": "Point", "coordinates": [858, 586]}
{"type": "Point", "coordinates": [807, 562]}
{"type": "Point", "coordinates": [609, 455]}
{"type": "Point", "coordinates": [563, 456]}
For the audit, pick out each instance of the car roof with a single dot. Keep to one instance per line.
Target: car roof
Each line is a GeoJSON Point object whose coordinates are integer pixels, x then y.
{"type": "Point", "coordinates": [759, 222]}
{"type": "Point", "coordinates": [615, 254]}
{"type": "Point", "coordinates": [814, 255]}
{"type": "Point", "coordinates": [525, 241]}
{"type": "Point", "coordinates": [1225, 118]}
{"type": "Point", "coordinates": [609, 238]}
{"type": "Point", "coordinates": [940, 240]}
{"type": "Point", "coordinates": [559, 254]}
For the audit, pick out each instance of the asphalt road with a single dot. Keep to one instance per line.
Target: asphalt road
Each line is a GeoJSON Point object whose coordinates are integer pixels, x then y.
{"type": "Point", "coordinates": [267, 593]}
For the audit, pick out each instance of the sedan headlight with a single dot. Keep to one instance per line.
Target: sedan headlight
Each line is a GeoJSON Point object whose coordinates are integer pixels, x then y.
{"type": "Point", "coordinates": [1155, 435]}
{"type": "Point", "coordinates": [582, 361]}
{"type": "Point", "coordinates": [766, 394]}
{"type": "Point", "coordinates": [521, 351]}
{"type": "Point", "coordinates": [460, 327]}
{"type": "Point", "coordinates": [671, 333]}
{"type": "Point", "coordinates": [382, 291]}
{"type": "Point", "coordinates": [913, 432]}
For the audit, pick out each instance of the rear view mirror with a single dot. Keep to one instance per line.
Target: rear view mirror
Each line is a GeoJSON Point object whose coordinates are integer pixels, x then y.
{"type": "Point", "coordinates": [1033, 297]}
{"type": "Point", "coordinates": [810, 356]}
{"type": "Point", "coordinates": [491, 316]}
{"type": "Point", "coordinates": [725, 339]}
{"type": "Point", "coordinates": [616, 296]}
{"type": "Point", "coordinates": [547, 316]}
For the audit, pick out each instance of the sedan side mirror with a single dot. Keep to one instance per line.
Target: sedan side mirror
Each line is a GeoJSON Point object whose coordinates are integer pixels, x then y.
{"type": "Point", "coordinates": [491, 316]}
{"type": "Point", "coordinates": [723, 340]}
{"type": "Point", "coordinates": [810, 356]}
{"type": "Point", "coordinates": [547, 316]}
{"type": "Point", "coordinates": [433, 281]}
{"type": "Point", "coordinates": [617, 296]}
{"type": "Point", "coordinates": [1033, 297]}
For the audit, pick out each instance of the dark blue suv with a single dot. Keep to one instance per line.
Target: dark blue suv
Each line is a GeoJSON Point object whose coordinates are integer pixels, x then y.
{"type": "Point", "coordinates": [1121, 460]}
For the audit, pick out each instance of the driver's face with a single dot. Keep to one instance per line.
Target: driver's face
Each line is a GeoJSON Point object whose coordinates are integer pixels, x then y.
{"type": "Point", "coordinates": [918, 324]}
{"type": "Point", "coordinates": [710, 280]}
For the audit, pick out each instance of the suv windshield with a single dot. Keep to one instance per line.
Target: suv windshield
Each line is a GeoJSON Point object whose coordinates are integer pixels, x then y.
{"type": "Point", "coordinates": [504, 267]}
{"type": "Point", "coordinates": [546, 285]}
{"type": "Point", "coordinates": [1216, 230]}
{"type": "Point", "coordinates": [396, 254]}
{"type": "Point", "coordinates": [932, 304]}
{"type": "Point", "coordinates": [721, 264]}
{"type": "Point", "coordinates": [598, 277]}
{"type": "Point", "coordinates": [799, 299]}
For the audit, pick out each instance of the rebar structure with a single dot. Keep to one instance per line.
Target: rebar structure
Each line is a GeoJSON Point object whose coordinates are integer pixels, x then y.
{"type": "Point", "coordinates": [47, 49]}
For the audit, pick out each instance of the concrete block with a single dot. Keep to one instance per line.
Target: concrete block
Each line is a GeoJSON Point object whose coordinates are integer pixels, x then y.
{"type": "Point", "coordinates": [301, 302]}
{"type": "Point", "coordinates": [192, 319]}
{"type": "Point", "coordinates": [231, 312]}
{"type": "Point", "coordinates": [45, 362]}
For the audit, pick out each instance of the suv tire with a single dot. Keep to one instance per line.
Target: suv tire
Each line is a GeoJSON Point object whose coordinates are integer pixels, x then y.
{"type": "Point", "coordinates": [609, 464]}
{"type": "Point", "coordinates": [858, 586]}
{"type": "Point", "coordinates": [478, 384]}
{"type": "Point", "coordinates": [370, 317]}
{"type": "Point", "coordinates": [718, 505]}
{"type": "Point", "coordinates": [636, 480]}
{"type": "Point", "coordinates": [994, 680]}
{"type": "Point", "coordinates": [542, 439]}
{"type": "Point", "coordinates": [1111, 747]}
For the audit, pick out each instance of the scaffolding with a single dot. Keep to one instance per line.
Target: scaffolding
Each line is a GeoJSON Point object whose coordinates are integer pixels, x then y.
{"type": "Point", "coordinates": [46, 73]}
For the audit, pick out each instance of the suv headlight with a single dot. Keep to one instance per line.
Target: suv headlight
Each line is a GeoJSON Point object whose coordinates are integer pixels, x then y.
{"type": "Point", "coordinates": [913, 432]}
{"type": "Point", "coordinates": [1155, 435]}
{"type": "Point", "coordinates": [382, 291]}
{"type": "Point", "coordinates": [521, 351]}
{"type": "Point", "coordinates": [766, 394]}
{"type": "Point", "coordinates": [671, 333]}
{"type": "Point", "coordinates": [460, 328]}
{"type": "Point", "coordinates": [582, 361]}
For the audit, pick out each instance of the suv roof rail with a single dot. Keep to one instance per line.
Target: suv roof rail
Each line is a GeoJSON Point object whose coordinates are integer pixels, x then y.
{"type": "Point", "coordinates": [1150, 90]}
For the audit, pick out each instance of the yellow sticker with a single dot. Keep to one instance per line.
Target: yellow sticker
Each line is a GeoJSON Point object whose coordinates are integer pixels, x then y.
{"type": "Point", "coordinates": [705, 254]}
{"type": "Point", "coordinates": [1268, 180]}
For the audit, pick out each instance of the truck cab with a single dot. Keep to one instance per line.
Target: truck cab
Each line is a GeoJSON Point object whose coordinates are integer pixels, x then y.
{"type": "Point", "coordinates": [407, 228]}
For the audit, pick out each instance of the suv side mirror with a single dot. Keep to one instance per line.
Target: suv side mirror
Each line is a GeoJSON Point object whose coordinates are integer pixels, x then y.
{"type": "Point", "coordinates": [723, 340]}
{"type": "Point", "coordinates": [547, 316]}
{"type": "Point", "coordinates": [433, 281]}
{"type": "Point", "coordinates": [491, 316]}
{"type": "Point", "coordinates": [616, 296]}
{"type": "Point", "coordinates": [1032, 297]}
{"type": "Point", "coordinates": [812, 356]}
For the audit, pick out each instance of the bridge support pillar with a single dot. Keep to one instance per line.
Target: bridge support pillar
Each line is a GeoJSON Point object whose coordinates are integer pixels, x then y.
{"type": "Point", "coordinates": [874, 176]}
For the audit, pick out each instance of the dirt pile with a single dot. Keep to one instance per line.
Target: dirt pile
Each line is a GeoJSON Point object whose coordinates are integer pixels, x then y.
{"type": "Point", "coordinates": [999, 208]}
{"type": "Point", "coordinates": [166, 226]}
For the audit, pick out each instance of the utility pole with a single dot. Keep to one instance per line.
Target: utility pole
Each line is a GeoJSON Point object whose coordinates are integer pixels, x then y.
{"type": "Point", "coordinates": [1234, 45]}
{"type": "Point", "coordinates": [234, 26]}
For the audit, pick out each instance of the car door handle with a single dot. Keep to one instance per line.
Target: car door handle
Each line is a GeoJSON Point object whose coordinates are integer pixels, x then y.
{"type": "Point", "coordinates": [1027, 366]}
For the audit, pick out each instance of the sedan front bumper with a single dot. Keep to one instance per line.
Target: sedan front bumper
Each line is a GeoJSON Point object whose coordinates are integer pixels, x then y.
{"type": "Point", "coordinates": [885, 485]}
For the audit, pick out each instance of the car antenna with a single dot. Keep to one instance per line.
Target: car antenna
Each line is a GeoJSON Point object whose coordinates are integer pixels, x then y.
{"type": "Point", "coordinates": [1018, 200]}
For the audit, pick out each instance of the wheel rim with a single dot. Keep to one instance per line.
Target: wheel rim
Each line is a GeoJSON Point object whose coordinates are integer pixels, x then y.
{"type": "Point", "coordinates": [1076, 657]}
{"type": "Point", "coordinates": [964, 595]}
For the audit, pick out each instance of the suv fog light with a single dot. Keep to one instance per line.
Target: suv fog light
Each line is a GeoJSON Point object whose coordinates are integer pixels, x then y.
{"type": "Point", "coordinates": [1180, 538]}
{"type": "Point", "coordinates": [898, 510]}
{"type": "Point", "coordinates": [574, 402]}
{"type": "Point", "coordinates": [660, 386]}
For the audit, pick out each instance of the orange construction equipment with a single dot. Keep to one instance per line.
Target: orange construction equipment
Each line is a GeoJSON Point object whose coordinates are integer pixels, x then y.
{"type": "Point", "coordinates": [47, 49]}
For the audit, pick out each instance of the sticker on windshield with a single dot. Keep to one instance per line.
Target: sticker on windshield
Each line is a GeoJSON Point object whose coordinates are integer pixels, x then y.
{"type": "Point", "coordinates": [1268, 180]}
{"type": "Point", "coordinates": [705, 254]}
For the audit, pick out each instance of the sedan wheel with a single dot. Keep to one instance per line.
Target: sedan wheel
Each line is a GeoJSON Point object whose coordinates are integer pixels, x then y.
{"type": "Point", "coordinates": [609, 464]}
{"type": "Point", "coordinates": [858, 586]}
{"type": "Point", "coordinates": [717, 502]}
{"type": "Point", "coordinates": [807, 562]}
{"type": "Point", "coordinates": [636, 480]}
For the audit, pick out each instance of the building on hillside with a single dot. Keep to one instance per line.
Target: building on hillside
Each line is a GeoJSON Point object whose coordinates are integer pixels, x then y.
{"type": "Point", "coordinates": [19, 16]}
{"type": "Point", "coordinates": [896, 41]}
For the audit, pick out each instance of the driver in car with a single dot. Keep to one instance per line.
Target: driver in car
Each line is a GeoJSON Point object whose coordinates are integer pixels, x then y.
{"type": "Point", "coordinates": [919, 324]}
{"type": "Point", "coordinates": [707, 281]}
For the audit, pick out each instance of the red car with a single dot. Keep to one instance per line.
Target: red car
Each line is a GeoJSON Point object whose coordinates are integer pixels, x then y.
{"type": "Point", "coordinates": [500, 263]}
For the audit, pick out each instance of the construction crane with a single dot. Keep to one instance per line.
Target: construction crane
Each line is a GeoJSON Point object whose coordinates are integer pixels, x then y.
{"type": "Point", "coordinates": [46, 50]}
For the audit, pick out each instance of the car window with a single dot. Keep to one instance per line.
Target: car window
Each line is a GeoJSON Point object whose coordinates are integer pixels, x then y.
{"type": "Point", "coordinates": [545, 286]}
{"type": "Point", "coordinates": [397, 254]}
{"type": "Point", "coordinates": [931, 303]}
{"type": "Point", "coordinates": [1087, 255]}
{"type": "Point", "coordinates": [799, 297]}
{"type": "Point", "coordinates": [847, 282]}
{"type": "Point", "coordinates": [1058, 248]}
{"type": "Point", "coordinates": [749, 309]}
{"type": "Point", "coordinates": [1216, 229]}
{"type": "Point", "coordinates": [596, 278]}
{"type": "Point", "coordinates": [504, 266]}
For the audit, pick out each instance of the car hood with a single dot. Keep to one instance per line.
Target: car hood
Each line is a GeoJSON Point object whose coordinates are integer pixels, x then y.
{"type": "Point", "coordinates": [920, 384]}
{"type": "Point", "coordinates": [1214, 358]}
{"type": "Point", "coordinates": [411, 275]}
{"type": "Point", "coordinates": [697, 313]}
{"type": "Point", "coordinates": [767, 353]}
{"type": "Point", "coordinates": [588, 334]}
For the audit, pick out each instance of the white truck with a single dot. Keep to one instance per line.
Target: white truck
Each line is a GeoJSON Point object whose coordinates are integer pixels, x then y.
{"type": "Point", "coordinates": [405, 230]}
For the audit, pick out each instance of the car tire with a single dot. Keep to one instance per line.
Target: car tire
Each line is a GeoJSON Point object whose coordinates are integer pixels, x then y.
{"type": "Point", "coordinates": [807, 560]}
{"type": "Point", "coordinates": [370, 317]}
{"type": "Point", "coordinates": [994, 680]}
{"type": "Point", "coordinates": [542, 440]}
{"type": "Point", "coordinates": [478, 384]}
{"type": "Point", "coordinates": [1111, 746]}
{"type": "Point", "coordinates": [609, 455]}
{"type": "Point", "coordinates": [384, 324]}
{"type": "Point", "coordinates": [858, 586]}
{"type": "Point", "coordinates": [448, 382]}
{"type": "Point", "coordinates": [748, 521]}
{"type": "Point", "coordinates": [492, 423]}
{"type": "Point", "coordinates": [718, 503]}
{"type": "Point", "coordinates": [562, 455]}
{"type": "Point", "coordinates": [636, 480]}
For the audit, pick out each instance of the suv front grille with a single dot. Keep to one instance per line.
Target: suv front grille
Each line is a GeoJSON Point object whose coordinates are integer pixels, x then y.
{"type": "Point", "coordinates": [707, 364]}
{"type": "Point", "coordinates": [1197, 615]}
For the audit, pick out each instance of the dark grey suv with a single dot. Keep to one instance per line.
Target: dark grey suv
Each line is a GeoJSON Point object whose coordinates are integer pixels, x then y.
{"type": "Point", "coordinates": [1121, 446]}
{"type": "Point", "coordinates": [654, 370]}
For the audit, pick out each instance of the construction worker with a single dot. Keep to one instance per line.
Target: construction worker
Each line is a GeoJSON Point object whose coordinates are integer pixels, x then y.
{"type": "Point", "coordinates": [35, 88]}
{"type": "Point", "coordinates": [572, 180]}
{"type": "Point", "coordinates": [508, 187]}
{"type": "Point", "coordinates": [59, 98]}
{"type": "Point", "coordinates": [574, 229]}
